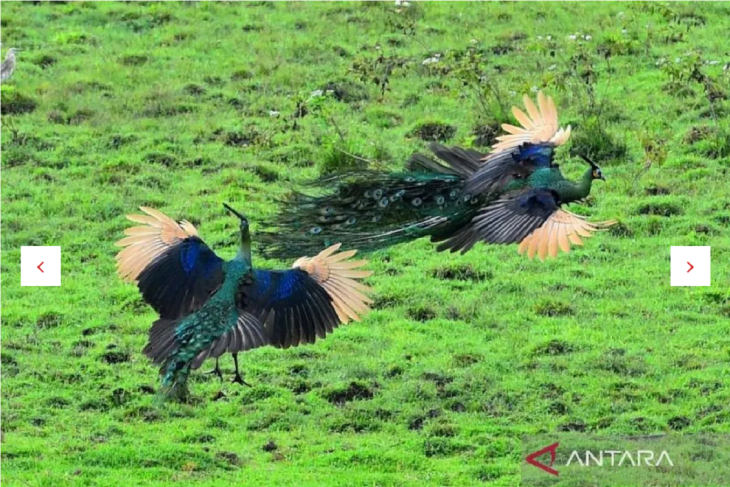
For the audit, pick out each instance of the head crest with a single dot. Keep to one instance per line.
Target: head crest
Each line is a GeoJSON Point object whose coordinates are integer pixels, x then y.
{"type": "Point", "coordinates": [589, 161]}
{"type": "Point", "coordinates": [239, 215]}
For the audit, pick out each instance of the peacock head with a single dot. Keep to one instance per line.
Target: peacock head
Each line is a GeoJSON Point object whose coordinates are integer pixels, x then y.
{"type": "Point", "coordinates": [244, 220]}
{"type": "Point", "coordinates": [596, 172]}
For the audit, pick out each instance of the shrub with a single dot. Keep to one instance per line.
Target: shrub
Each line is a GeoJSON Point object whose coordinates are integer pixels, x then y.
{"type": "Point", "coordinates": [346, 91]}
{"type": "Point", "coordinates": [594, 141]}
{"type": "Point", "coordinates": [133, 59]}
{"type": "Point", "coordinates": [433, 131]}
{"type": "Point", "coordinates": [16, 103]}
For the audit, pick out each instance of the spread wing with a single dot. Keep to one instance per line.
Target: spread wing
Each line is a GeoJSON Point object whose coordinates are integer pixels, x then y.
{"type": "Point", "coordinates": [531, 217]}
{"type": "Point", "coordinates": [176, 272]}
{"type": "Point", "coordinates": [310, 300]}
{"type": "Point", "coordinates": [560, 230]}
{"type": "Point", "coordinates": [539, 127]}
{"type": "Point", "coordinates": [523, 149]}
{"type": "Point", "coordinates": [336, 275]}
{"type": "Point", "coordinates": [505, 220]}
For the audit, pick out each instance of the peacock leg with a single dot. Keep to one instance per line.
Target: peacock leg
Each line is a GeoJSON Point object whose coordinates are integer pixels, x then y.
{"type": "Point", "coordinates": [237, 378]}
{"type": "Point", "coordinates": [216, 370]}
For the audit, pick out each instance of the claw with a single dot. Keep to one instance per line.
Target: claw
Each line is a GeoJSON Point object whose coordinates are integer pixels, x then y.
{"type": "Point", "coordinates": [216, 371]}
{"type": "Point", "coordinates": [237, 379]}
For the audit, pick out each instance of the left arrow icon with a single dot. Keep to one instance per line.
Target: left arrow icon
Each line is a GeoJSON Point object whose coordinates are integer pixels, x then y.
{"type": "Point", "coordinates": [39, 267]}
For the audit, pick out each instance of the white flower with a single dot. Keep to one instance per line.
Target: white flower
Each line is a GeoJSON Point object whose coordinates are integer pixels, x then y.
{"type": "Point", "coordinates": [552, 67]}
{"type": "Point", "coordinates": [273, 113]}
{"type": "Point", "coordinates": [549, 38]}
{"type": "Point", "coordinates": [572, 37]}
{"type": "Point", "coordinates": [402, 3]}
{"type": "Point", "coordinates": [533, 89]}
{"type": "Point", "coordinates": [316, 93]}
{"type": "Point", "coordinates": [474, 41]}
{"type": "Point", "coordinates": [624, 31]}
{"type": "Point", "coordinates": [678, 60]}
{"type": "Point", "coordinates": [512, 93]}
{"type": "Point", "coordinates": [539, 38]}
{"type": "Point", "coordinates": [712, 63]}
{"type": "Point", "coordinates": [587, 37]}
{"type": "Point", "coordinates": [620, 14]}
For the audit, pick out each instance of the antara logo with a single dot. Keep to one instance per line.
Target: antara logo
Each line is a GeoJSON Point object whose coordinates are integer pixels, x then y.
{"type": "Point", "coordinates": [548, 468]}
{"type": "Point", "coordinates": [612, 458]}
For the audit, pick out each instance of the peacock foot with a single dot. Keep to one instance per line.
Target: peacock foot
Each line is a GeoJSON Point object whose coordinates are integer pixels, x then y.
{"type": "Point", "coordinates": [239, 380]}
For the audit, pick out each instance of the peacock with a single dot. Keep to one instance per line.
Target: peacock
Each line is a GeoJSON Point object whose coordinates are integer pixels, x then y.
{"type": "Point", "coordinates": [208, 306]}
{"type": "Point", "coordinates": [514, 194]}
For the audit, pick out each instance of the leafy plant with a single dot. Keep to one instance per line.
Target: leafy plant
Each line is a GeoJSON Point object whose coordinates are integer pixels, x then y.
{"type": "Point", "coordinates": [688, 72]}
{"type": "Point", "coordinates": [473, 69]}
{"type": "Point", "coordinates": [378, 70]}
{"type": "Point", "coordinates": [14, 102]}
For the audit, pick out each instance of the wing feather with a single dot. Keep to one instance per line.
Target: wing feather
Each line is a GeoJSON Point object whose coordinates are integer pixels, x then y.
{"type": "Point", "coordinates": [310, 300]}
{"type": "Point", "coordinates": [174, 269]}
{"type": "Point", "coordinates": [147, 243]}
{"type": "Point", "coordinates": [539, 125]}
{"type": "Point", "coordinates": [524, 119]}
{"type": "Point", "coordinates": [559, 231]}
{"type": "Point", "coordinates": [337, 281]}
{"type": "Point", "coordinates": [535, 115]}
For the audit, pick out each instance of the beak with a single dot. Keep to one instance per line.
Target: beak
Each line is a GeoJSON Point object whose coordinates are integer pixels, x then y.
{"type": "Point", "coordinates": [603, 178]}
{"type": "Point", "coordinates": [234, 211]}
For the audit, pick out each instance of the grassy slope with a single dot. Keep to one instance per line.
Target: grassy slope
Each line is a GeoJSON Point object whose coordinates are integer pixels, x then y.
{"type": "Point", "coordinates": [464, 353]}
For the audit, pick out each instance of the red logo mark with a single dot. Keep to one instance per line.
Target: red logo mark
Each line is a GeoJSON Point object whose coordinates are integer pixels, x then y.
{"type": "Point", "coordinates": [532, 456]}
{"type": "Point", "coordinates": [39, 267]}
{"type": "Point", "coordinates": [690, 267]}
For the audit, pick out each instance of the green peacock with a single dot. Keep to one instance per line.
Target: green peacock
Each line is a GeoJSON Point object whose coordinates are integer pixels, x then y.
{"type": "Point", "coordinates": [514, 194]}
{"type": "Point", "coordinates": [208, 306]}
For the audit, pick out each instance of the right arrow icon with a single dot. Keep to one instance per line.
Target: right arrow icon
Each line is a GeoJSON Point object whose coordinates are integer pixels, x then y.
{"type": "Point", "coordinates": [690, 266]}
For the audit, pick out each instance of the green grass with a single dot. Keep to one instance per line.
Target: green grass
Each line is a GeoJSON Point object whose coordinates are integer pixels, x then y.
{"type": "Point", "coordinates": [168, 105]}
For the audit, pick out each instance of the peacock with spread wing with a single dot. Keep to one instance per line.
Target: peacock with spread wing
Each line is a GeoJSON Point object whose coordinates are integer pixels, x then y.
{"type": "Point", "coordinates": [208, 306]}
{"type": "Point", "coordinates": [514, 194]}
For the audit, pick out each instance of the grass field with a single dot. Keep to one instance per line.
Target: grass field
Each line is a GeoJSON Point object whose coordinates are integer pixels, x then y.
{"type": "Point", "coordinates": [185, 106]}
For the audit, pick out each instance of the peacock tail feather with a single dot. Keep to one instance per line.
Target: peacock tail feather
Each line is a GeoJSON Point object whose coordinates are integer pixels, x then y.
{"type": "Point", "coordinates": [371, 210]}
